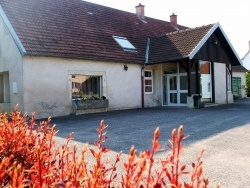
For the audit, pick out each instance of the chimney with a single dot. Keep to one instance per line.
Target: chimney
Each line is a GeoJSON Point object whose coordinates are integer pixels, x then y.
{"type": "Point", "coordinates": [140, 11]}
{"type": "Point", "coordinates": [173, 20]}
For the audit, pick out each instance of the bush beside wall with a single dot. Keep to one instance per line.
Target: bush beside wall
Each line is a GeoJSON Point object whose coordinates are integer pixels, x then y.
{"type": "Point", "coordinates": [30, 157]}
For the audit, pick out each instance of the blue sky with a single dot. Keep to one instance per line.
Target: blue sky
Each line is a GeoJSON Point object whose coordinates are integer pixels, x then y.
{"type": "Point", "coordinates": [233, 15]}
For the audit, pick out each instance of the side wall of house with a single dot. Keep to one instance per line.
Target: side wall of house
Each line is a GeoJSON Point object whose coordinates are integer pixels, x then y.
{"type": "Point", "coordinates": [246, 61]}
{"type": "Point", "coordinates": [154, 99]}
{"type": "Point", "coordinates": [10, 71]}
{"type": "Point", "coordinates": [47, 84]}
{"type": "Point", "coordinates": [222, 96]}
{"type": "Point", "coordinates": [241, 75]}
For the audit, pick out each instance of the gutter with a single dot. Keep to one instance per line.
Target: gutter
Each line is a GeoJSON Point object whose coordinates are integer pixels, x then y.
{"type": "Point", "coordinates": [142, 72]}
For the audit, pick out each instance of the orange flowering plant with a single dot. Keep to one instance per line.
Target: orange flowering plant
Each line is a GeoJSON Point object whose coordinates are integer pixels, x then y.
{"type": "Point", "coordinates": [30, 157]}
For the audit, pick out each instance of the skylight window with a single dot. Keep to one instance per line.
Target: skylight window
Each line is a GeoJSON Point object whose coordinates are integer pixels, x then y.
{"type": "Point", "coordinates": [125, 44]}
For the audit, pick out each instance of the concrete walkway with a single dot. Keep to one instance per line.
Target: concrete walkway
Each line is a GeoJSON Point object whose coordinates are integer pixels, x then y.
{"type": "Point", "coordinates": [222, 130]}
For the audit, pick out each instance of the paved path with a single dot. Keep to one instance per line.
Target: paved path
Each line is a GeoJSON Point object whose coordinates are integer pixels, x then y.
{"type": "Point", "coordinates": [223, 131]}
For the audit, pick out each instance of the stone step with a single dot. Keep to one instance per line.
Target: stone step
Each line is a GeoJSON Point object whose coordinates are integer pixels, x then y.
{"type": "Point", "coordinates": [206, 105]}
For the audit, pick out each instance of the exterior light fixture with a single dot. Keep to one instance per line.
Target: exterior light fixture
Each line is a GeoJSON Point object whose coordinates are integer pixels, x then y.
{"type": "Point", "coordinates": [125, 67]}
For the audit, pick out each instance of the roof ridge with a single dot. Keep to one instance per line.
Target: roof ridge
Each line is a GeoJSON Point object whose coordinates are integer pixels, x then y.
{"type": "Point", "coordinates": [124, 11]}
{"type": "Point", "coordinates": [131, 13]}
{"type": "Point", "coordinates": [181, 31]}
{"type": "Point", "coordinates": [189, 29]}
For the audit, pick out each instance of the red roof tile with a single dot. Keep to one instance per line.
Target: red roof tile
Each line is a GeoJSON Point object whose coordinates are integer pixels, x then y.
{"type": "Point", "coordinates": [79, 29]}
{"type": "Point", "coordinates": [176, 45]}
{"type": "Point", "coordinates": [239, 68]}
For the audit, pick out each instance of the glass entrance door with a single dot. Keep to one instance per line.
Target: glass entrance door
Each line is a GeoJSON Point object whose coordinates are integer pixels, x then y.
{"type": "Point", "coordinates": [175, 86]}
{"type": "Point", "coordinates": [172, 90]}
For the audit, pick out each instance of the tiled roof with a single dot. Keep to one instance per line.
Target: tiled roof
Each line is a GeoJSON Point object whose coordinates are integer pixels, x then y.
{"type": "Point", "coordinates": [79, 29]}
{"type": "Point", "coordinates": [239, 68]}
{"type": "Point", "coordinates": [176, 45]}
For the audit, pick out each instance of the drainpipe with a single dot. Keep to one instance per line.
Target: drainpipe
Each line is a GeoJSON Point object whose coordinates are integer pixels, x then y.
{"type": "Point", "coordinates": [142, 72]}
{"type": "Point", "coordinates": [226, 85]}
{"type": "Point", "coordinates": [229, 69]}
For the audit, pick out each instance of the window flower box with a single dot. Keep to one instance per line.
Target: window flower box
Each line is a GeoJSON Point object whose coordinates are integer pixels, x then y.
{"type": "Point", "coordinates": [89, 106]}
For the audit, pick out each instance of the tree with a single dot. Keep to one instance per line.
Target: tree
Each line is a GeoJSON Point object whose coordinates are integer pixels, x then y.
{"type": "Point", "coordinates": [248, 83]}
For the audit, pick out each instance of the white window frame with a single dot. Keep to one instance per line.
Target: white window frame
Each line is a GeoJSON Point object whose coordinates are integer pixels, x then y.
{"type": "Point", "coordinates": [148, 78]}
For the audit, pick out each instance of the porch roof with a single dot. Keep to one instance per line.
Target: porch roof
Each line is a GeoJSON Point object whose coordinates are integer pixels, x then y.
{"type": "Point", "coordinates": [186, 44]}
{"type": "Point", "coordinates": [239, 68]}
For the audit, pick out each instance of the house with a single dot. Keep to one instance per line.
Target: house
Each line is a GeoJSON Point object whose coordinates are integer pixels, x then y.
{"type": "Point", "coordinates": [246, 59]}
{"type": "Point", "coordinates": [54, 52]}
{"type": "Point", "coordinates": [239, 81]}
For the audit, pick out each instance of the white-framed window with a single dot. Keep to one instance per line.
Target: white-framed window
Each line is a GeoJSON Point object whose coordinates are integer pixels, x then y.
{"type": "Point", "coordinates": [148, 82]}
{"type": "Point", "coordinates": [125, 44]}
{"type": "Point", "coordinates": [229, 82]}
{"type": "Point", "coordinates": [84, 86]}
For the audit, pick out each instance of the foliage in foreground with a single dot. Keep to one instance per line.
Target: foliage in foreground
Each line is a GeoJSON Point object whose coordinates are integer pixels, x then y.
{"type": "Point", "coordinates": [30, 157]}
{"type": "Point", "coordinates": [248, 83]}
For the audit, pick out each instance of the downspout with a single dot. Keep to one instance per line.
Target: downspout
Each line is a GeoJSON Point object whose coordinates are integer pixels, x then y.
{"type": "Point", "coordinates": [226, 85]}
{"type": "Point", "coordinates": [142, 72]}
{"type": "Point", "coordinates": [231, 77]}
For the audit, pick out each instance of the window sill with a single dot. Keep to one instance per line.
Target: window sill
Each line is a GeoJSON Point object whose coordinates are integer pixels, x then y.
{"type": "Point", "coordinates": [89, 106]}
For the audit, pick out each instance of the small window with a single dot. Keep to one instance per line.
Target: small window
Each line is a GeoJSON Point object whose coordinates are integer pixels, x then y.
{"type": "Point", "coordinates": [125, 44]}
{"type": "Point", "coordinates": [84, 86]}
{"type": "Point", "coordinates": [148, 82]}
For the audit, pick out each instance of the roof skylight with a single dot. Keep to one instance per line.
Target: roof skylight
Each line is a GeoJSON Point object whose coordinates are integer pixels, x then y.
{"type": "Point", "coordinates": [125, 44]}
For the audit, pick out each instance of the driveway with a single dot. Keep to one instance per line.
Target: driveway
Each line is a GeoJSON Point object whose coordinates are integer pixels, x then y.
{"type": "Point", "coordinates": [222, 130]}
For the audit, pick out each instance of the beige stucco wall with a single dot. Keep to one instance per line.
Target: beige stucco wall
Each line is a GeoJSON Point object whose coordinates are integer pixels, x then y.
{"type": "Point", "coordinates": [11, 65]}
{"type": "Point", "coordinates": [242, 75]}
{"type": "Point", "coordinates": [222, 96]}
{"type": "Point", "coordinates": [155, 99]}
{"type": "Point", "coordinates": [246, 60]}
{"type": "Point", "coordinates": [47, 84]}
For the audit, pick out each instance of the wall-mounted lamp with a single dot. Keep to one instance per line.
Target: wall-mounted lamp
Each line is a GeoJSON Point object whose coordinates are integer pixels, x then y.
{"type": "Point", "coordinates": [215, 42]}
{"type": "Point", "coordinates": [125, 67]}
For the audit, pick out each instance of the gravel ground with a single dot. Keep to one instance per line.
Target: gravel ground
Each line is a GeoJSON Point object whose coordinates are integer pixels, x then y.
{"type": "Point", "coordinates": [222, 130]}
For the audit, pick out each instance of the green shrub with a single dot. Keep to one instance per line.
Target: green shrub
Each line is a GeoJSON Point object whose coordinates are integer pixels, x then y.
{"type": "Point", "coordinates": [248, 84]}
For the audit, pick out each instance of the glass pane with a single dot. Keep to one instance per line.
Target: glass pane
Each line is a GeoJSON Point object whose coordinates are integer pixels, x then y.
{"type": "Point", "coordinates": [205, 86]}
{"type": "Point", "coordinates": [204, 67]}
{"type": "Point", "coordinates": [148, 74]}
{"type": "Point", "coordinates": [170, 68]}
{"type": "Point", "coordinates": [123, 42]}
{"type": "Point", "coordinates": [173, 83]}
{"type": "Point", "coordinates": [86, 86]}
{"type": "Point", "coordinates": [183, 98]}
{"type": "Point", "coordinates": [173, 98]}
{"type": "Point", "coordinates": [181, 69]}
{"type": "Point", "coordinates": [183, 83]}
{"type": "Point", "coordinates": [148, 82]}
{"type": "Point", "coordinates": [148, 89]}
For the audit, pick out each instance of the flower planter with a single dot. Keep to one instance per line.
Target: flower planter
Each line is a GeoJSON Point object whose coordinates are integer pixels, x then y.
{"type": "Point", "coordinates": [89, 106]}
